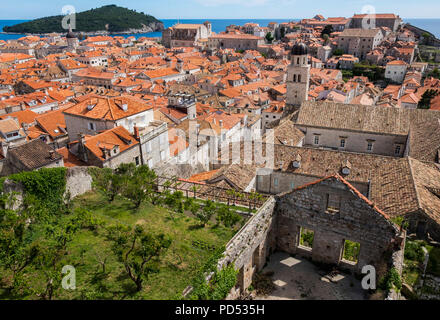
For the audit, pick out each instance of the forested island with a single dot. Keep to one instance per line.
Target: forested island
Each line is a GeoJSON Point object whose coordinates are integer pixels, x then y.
{"type": "Point", "coordinates": [111, 18]}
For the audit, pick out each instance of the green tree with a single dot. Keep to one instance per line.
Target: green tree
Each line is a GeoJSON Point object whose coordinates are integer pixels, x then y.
{"type": "Point", "coordinates": [138, 183]}
{"type": "Point", "coordinates": [226, 216]}
{"type": "Point", "coordinates": [338, 52]}
{"type": "Point", "coordinates": [107, 183]}
{"type": "Point", "coordinates": [139, 251]}
{"type": "Point", "coordinates": [328, 29]}
{"type": "Point", "coordinates": [434, 73]}
{"type": "Point", "coordinates": [51, 257]}
{"type": "Point", "coordinates": [206, 213]}
{"type": "Point", "coordinates": [425, 101]}
{"type": "Point", "coordinates": [269, 37]}
{"type": "Point", "coordinates": [282, 32]}
{"type": "Point", "coordinates": [17, 250]}
{"type": "Point", "coordinates": [192, 205]}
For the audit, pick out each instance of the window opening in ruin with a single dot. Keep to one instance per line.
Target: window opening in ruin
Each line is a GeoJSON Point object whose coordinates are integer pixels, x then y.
{"type": "Point", "coordinates": [255, 257]}
{"type": "Point", "coordinates": [351, 251]}
{"type": "Point", "coordinates": [306, 238]}
{"type": "Point", "coordinates": [333, 203]}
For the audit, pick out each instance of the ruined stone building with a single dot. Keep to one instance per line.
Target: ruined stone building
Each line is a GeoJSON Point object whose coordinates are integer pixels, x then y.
{"type": "Point", "coordinates": [334, 212]}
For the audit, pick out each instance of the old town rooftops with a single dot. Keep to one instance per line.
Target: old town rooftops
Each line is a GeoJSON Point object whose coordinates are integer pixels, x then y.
{"type": "Point", "coordinates": [35, 154]}
{"type": "Point", "coordinates": [407, 186]}
{"type": "Point", "coordinates": [111, 109]}
{"type": "Point", "coordinates": [315, 162]}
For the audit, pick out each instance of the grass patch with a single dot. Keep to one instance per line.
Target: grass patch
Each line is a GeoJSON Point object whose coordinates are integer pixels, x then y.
{"type": "Point", "coordinates": [100, 276]}
{"type": "Point", "coordinates": [413, 260]}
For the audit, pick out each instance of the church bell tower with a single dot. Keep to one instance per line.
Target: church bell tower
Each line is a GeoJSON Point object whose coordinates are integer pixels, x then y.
{"type": "Point", "coordinates": [298, 76]}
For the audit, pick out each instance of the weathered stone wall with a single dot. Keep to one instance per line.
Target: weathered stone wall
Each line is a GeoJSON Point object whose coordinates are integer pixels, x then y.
{"type": "Point", "coordinates": [79, 181]}
{"type": "Point", "coordinates": [277, 225]}
{"type": "Point", "coordinates": [356, 221]}
{"type": "Point", "coordinates": [250, 248]}
{"type": "Point", "coordinates": [277, 182]}
{"type": "Point", "coordinates": [182, 171]}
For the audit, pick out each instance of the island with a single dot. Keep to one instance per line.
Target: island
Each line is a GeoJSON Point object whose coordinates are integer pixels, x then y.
{"type": "Point", "coordinates": [107, 19]}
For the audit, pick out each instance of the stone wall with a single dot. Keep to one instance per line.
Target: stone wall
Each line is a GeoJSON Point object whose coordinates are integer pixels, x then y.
{"type": "Point", "coordinates": [182, 171]}
{"type": "Point", "coordinates": [277, 226]}
{"type": "Point", "coordinates": [355, 220]}
{"type": "Point", "coordinates": [250, 247]}
{"type": "Point", "coordinates": [384, 145]}
{"type": "Point", "coordinates": [79, 181]}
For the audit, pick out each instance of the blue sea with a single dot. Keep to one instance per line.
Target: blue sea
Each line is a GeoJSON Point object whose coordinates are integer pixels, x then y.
{"type": "Point", "coordinates": [219, 25]}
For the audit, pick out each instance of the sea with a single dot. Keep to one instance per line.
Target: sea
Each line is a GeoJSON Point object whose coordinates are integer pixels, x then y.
{"type": "Point", "coordinates": [219, 25]}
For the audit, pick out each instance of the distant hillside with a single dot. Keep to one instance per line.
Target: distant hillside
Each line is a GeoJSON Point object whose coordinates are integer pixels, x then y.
{"type": "Point", "coordinates": [108, 18]}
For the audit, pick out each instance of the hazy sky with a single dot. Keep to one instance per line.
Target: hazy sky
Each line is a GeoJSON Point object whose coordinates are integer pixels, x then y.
{"type": "Point", "coordinates": [223, 9]}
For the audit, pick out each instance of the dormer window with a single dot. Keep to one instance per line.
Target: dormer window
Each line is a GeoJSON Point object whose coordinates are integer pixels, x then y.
{"type": "Point", "coordinates": [90, 107]}
{"type": "Point", "coordinates": [346, 168]}
{"type": "Point", "coordinates": [297, 162]}
{"type": "Point", "coordinates": [12, 135]}
{"type": "Point", "coordinates": [92, 126]}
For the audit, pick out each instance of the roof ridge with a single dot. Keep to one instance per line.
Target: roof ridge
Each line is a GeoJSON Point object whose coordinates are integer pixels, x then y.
{"type": "Point", "coordinates": [110, 109]}
{"type": "Point", "coordinates": [411, 174]}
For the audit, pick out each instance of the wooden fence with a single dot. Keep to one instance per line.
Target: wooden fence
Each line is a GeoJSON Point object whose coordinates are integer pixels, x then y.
{"type": "Point", "coordinates": [205, 191]}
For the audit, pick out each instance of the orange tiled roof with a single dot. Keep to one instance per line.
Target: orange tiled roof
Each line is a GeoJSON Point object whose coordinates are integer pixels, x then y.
{"type": "Point", "coordinates": [97, 107]}
{"type": "Point", "coordinates": [118, 136]}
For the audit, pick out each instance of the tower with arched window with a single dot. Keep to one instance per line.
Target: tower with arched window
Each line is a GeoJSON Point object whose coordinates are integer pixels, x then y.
{"type": "Point", "coordinates": [298, 76]}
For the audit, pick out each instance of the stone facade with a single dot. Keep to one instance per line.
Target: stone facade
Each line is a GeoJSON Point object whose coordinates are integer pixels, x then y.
{"type": "Point", "coordinates": [234, 41]}
{"type": "Point", "coordinates": [376, 21]}
{"type": "Point", "coordinates": [186, 35]}
{"type": "Point", "coordinates": [277, 226]}
{"type": "Point", "coordinates": [351, 141]}
{"type": "Point", "coordinates": [78, 181]}
{"type": "Point", "coordinates": [356, 220]}
{"type": "Point", "coordinates": [298, 80]}
{"type": "Point", "coordinates": [359, 42]}
{"type": "Point", "coordinates": [250, 248]}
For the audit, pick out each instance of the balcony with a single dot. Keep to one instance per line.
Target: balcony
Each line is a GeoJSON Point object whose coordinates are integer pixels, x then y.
{"type": "Point", "coordinates": [154, 129]}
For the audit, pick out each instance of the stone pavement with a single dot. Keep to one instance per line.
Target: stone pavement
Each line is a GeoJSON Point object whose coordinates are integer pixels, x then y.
{"type": "Point", "coordinates": [299, 279]}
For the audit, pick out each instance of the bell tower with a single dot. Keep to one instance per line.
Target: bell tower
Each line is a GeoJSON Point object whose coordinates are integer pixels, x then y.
{"type": "Point", "coordinates": [298, 76]}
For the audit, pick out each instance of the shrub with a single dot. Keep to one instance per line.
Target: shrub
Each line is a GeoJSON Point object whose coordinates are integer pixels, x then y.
{"type": "Point", "coordinates": [413, 251]}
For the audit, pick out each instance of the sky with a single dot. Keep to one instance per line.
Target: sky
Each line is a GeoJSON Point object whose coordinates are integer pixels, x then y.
{"type": "Point", "coordinates": [228, 9]}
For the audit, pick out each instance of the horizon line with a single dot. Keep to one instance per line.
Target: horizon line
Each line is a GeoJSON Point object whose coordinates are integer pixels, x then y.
{"type": "Point", "coordinates": [9, 19]}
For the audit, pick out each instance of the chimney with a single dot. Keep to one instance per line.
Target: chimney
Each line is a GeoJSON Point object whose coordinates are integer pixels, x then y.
{"type": "Point", "coordinates": [82, 139]}
{"type": "Point", "coordinates": [213, 121]}
{"type": "Point", "coordinates": [221, 123]}
{"type": "Point", "coordinates": [4, 148]}
{"type": "Point", "coordinates": [136, 132]}
{"type": "Point", "coordinates": [179, 65]}
{"type": "Point", "coordinates": [52, 154]}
